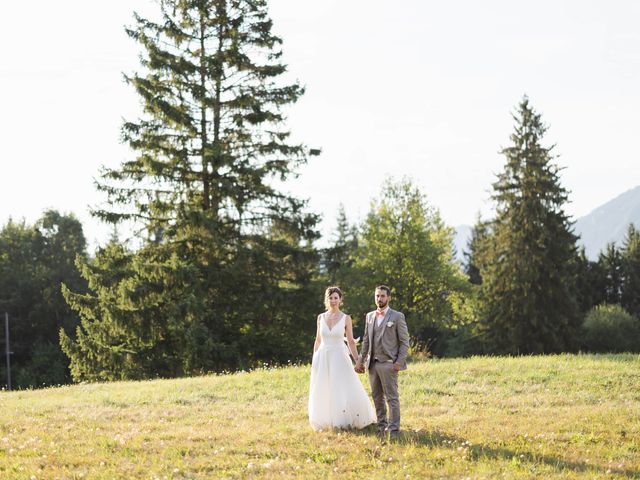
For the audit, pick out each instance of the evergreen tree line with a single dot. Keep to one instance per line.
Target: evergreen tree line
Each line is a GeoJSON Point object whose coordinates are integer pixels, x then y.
{"type": "Point", "coordinates": [114, 315]}
{"type": "Point", "coordinates": [613, 279]}
{"type": "Point", "coordinates": [402, 241]}
{"type": "Point", "coordinates": [222, 271]}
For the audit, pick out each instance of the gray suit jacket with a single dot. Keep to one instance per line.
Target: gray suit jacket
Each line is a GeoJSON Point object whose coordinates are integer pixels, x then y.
{"type": "Point", "coordinates": [395, 339]}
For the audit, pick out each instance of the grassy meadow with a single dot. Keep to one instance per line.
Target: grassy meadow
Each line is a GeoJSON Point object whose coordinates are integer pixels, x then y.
{"type": "Point", "coordinates": [550, 417]}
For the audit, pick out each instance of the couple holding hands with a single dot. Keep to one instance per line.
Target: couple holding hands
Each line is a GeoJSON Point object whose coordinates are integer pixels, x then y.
{"type": "Point", "coordinates": [337, 399]}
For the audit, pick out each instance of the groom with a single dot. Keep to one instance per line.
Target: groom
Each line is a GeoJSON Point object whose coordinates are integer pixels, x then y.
{"type": "Point", "coordinates": [384, 351]}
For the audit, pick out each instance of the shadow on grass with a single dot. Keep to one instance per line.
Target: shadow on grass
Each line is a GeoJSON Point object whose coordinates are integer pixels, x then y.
{"type": "Point", "coordinates": [475, 452]}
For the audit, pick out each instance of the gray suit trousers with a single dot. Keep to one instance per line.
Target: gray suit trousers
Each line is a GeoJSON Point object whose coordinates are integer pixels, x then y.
{"type": "Point", "coordinates": [384, 386]}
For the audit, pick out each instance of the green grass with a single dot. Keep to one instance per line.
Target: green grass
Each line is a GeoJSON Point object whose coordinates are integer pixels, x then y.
{"type": "Point", "coordinates": [547, 417]}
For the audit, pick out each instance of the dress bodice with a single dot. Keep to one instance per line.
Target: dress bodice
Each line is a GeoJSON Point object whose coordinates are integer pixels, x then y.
{"type": "Point", "coordinates": [337, 398]}
{"type": "Point", "coordinates": [332, 336]}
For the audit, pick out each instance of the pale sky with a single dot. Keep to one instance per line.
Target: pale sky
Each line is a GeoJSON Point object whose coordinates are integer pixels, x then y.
{"type": "Point", "coordinates": [411, 88]}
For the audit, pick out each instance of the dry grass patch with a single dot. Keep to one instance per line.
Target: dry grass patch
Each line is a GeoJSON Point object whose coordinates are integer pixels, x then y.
{"type": "Point", "coordinates": [545, 417]}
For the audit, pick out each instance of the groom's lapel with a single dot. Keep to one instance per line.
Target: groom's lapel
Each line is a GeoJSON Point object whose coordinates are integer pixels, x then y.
{"type": "Point", "coordinates": [372, 326]}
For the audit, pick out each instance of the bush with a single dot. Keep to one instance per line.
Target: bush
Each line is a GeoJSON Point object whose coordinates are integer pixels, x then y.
{"type": "Point", "coordinates": [48, 366]}
{"type": "Point", "coordinates": [609, 329]}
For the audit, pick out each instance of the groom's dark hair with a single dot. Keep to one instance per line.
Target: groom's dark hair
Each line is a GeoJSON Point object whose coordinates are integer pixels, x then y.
{"type": "Point", "coordinates": [385, 288]}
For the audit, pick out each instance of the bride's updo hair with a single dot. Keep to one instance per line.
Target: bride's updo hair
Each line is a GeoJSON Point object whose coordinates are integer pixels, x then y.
{"type": "Point", "coordinates": [330, 291]}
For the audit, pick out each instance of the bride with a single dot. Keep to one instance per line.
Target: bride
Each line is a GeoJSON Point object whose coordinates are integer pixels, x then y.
{"type": "Point", "coordinates": [337, 398]}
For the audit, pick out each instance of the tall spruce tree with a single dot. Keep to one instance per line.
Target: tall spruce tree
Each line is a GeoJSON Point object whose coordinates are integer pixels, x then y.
{"type": "Point", "coordinates": [222, 253]}
{"type": "Point", "coordinates": [528, 266]}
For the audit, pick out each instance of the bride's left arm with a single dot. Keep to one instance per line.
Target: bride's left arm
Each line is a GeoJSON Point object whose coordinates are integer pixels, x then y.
{"type": "Point", "coordinates": [348, 327]}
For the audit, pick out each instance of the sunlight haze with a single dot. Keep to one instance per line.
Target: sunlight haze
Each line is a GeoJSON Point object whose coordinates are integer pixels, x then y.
{"type": "Point", "coordinates": [418, 89]}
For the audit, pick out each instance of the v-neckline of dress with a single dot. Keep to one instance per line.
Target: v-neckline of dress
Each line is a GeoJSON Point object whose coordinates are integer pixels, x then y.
{"type": "Point", "coordinates": [335, 324]}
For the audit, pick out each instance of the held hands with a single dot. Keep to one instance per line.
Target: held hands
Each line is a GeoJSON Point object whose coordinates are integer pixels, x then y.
{"type": "Point", "coordinates": [359, 368]}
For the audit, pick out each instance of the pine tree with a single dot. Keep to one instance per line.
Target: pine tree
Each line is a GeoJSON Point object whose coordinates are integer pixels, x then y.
{"type": "Point", "coordinates": [210, 147]}
{"type": "Point", "coordinates": [338, 259]}
{"type": "Point", "coordinates": [590, 282]}
{"type": "Point", "coordinates": [528, 266]}
{"type": "Point", "coordinates": [479, 234]}
{"type": "Point", "coordinates": [123, 319]}
{"type": "Point", "coordinates": [611, 266]}
{"type": "Point", "coordinates": [211, 137]}
{"type": "Point", "coordinates": [631, 271]}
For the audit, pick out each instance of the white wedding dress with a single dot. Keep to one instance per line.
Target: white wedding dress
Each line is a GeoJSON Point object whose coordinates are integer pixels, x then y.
{"type": "Point", "coordinates": [337, 399]}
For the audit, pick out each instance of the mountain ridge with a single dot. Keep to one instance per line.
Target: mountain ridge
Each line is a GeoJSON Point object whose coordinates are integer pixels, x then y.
{"type": "Point", "coordinates": [605, 224]}
{"type": "Point", "coordinates": [608, 222]}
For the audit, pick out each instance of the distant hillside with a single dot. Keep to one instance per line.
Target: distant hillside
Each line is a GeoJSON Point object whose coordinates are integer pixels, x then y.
{"type": "Point", "coordinates": [609, 222]}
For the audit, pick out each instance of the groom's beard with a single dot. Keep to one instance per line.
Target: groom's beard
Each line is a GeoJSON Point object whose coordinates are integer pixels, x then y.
{"type": "Point", "coordinates": [382, 305]}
